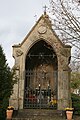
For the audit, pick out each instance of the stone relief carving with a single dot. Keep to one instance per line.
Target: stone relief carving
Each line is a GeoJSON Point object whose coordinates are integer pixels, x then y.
{"type": "Point", "coordinates": [42, 29]}
{"type": "Point", "coordinates": [19, 52]}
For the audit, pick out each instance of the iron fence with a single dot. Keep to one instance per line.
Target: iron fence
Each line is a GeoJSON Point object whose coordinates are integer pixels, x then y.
{"type": "Point", "coordinates": [40, 90]}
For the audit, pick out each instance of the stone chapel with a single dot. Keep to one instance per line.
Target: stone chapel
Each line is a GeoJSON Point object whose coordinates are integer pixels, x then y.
{"type": "Point", "coordinates": [41, 64]}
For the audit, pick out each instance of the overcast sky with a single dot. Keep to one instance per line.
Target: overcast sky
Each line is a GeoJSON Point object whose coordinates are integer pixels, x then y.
{"type": "Point", "coordinates": [16, 20]}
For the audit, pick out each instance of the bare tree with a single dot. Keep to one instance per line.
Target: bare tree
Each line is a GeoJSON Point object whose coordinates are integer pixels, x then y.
{"type": "Point", "coordinates": [66, 23]}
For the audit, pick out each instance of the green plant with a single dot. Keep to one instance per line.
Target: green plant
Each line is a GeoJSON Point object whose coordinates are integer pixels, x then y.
{"type": "Point", "coordinates": [76, 103]}
{"type": "Point", "coordinates": [6, 84]}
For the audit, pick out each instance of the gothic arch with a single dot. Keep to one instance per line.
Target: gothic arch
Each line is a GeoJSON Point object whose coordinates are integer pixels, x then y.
{"type": "Point", "coordinates": [36, 41]}
{"type": "Point", "coordinates": [41, 66]}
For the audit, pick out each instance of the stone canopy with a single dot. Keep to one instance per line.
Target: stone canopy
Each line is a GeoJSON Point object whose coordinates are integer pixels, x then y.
{"type": "Point", "coordinates": [42, 31]}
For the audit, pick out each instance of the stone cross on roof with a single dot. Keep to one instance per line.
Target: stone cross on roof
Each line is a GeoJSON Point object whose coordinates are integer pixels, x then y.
{"type": "Point", "coordinates": [45, 8]}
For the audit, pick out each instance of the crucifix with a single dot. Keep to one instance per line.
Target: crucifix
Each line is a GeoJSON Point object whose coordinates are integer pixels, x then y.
{"type": "Point", "coordinates": [45, 8]}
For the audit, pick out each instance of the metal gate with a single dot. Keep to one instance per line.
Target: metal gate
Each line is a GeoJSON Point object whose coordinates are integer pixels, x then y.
{"type": "Point", "coordinates": [40, 89]}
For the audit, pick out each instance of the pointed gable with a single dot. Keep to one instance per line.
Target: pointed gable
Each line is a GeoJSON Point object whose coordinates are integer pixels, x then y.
{"type": "Point", "coordinates": [40, 27]}
{"type": "Point", "coordinates": [42, 30]}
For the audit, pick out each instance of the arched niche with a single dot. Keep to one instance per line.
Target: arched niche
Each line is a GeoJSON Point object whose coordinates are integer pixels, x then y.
{"type": "Point", "coordinates": [41, 67]}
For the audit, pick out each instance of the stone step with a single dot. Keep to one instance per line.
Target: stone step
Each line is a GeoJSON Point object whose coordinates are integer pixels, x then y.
{"type": "Point", "coordinates": [38, 114]}
{"type": "Point", "coordinates": [41, 118]}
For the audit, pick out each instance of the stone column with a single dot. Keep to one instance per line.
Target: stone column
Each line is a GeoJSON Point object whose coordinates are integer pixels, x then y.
{"type": "Point", "coordinates": [63, 83]}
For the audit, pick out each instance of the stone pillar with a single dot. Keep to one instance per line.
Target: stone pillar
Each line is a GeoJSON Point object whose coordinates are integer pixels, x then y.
{"type": "Point", "coordinates": [63, 83]}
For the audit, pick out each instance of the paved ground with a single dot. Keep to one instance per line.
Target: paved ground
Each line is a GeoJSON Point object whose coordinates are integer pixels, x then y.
{"type": "Point", "coordinates": [77, 118]}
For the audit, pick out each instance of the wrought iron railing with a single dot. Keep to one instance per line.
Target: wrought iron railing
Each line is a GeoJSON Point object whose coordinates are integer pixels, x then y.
{"type": "Point", "coordinates": [40, 90]}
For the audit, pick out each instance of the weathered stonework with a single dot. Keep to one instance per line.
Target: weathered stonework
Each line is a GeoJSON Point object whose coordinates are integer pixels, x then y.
{"type": "Point", "coordinates": [42, 31]}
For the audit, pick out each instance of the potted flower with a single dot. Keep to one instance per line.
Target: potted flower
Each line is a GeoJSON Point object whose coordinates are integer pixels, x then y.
{"type": "Point", "coordinates": [9, 112]}
{"type": "Point", "coordinates": [69, 113]}
{"type": "Point", "coordinates": [53, 103]}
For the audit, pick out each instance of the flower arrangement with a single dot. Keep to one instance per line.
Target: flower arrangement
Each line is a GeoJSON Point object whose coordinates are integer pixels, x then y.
{"type": "Point", "coordinates": [53, 102]}
{"type": "Point", "coordinates": [10, 108]}
{"type": "Point", "coordinates": [69, 109]}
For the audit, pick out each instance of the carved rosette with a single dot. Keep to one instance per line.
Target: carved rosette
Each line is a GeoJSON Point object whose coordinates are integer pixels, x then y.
{"type": "Point", "coordinates": [42, 29]}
